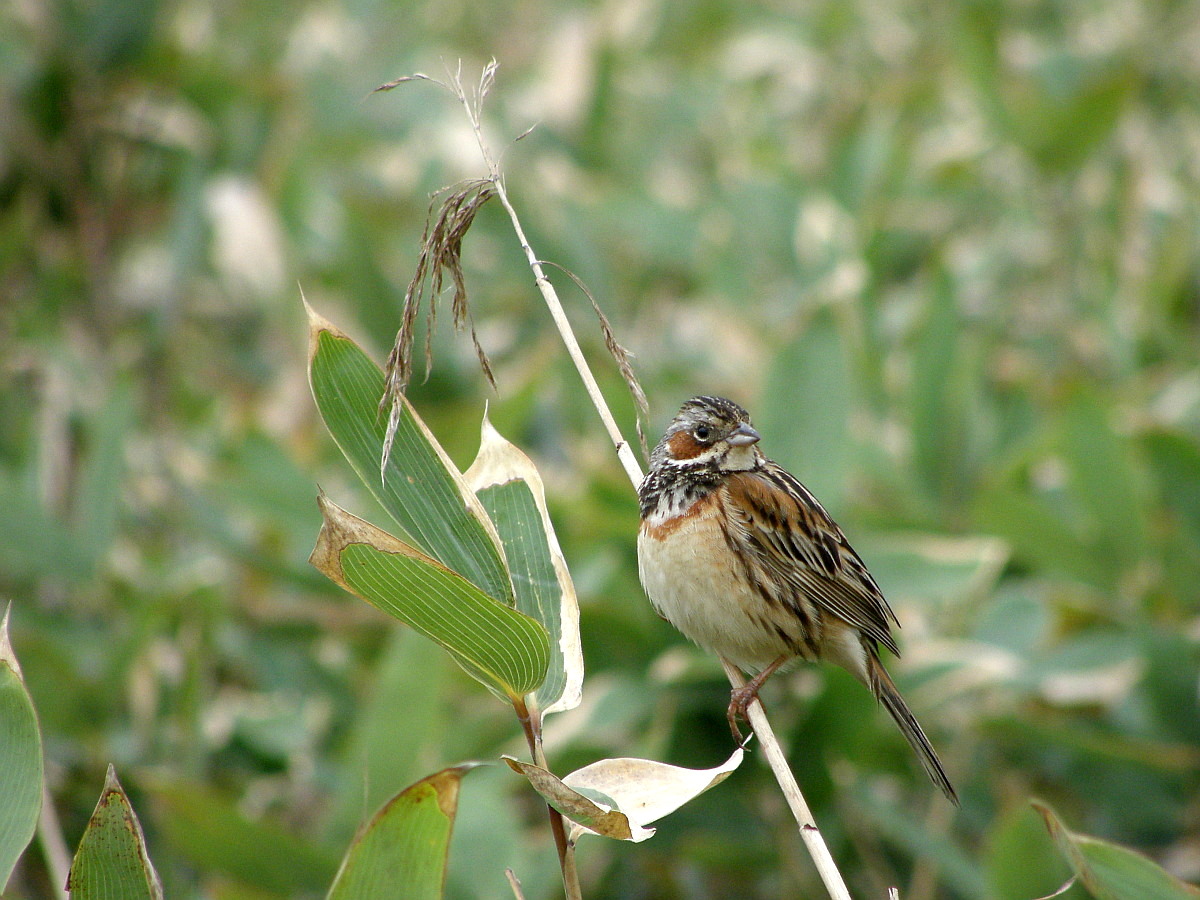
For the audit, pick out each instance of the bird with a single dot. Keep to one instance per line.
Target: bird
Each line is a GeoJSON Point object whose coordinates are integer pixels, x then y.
{"type": "Point", "coordinates": [741, 558]}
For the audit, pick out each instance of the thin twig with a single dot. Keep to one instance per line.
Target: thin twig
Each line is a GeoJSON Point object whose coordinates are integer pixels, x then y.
{"type": "Point", "coordinates": [772, 752]}
{"type": "Point", "coordinates": [514, 884]}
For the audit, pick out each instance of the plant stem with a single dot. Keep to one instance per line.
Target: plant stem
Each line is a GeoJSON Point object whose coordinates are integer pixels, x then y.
{"type": "Point", "coordinates": [809, 833]}
{"type": "Point", "coordinates": [772, 752]}
{"type": "Point", "coordinates": [624, 450]}
{"type": "Point", "coordinates": [532, 726]}
{"type": "Point", "coordinates": [514, 885]}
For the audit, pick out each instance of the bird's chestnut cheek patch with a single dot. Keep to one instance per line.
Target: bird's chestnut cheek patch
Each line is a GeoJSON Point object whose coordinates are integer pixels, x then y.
{"type": "Point", "coordinates": [684, 446]}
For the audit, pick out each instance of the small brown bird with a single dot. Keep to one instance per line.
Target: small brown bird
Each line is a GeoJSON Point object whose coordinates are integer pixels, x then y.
{"type": "Point", "coordinates": [737, 554]}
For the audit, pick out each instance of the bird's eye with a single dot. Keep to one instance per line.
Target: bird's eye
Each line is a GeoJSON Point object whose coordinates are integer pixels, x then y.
{"type": "Point", "coordinates": [702, 432]}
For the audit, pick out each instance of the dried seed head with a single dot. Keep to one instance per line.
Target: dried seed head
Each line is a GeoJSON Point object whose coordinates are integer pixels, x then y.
{"type": "Point", "coordinates": [441, 254]}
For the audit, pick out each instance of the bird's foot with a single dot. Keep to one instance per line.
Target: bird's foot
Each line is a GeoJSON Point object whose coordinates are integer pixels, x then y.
{"type": "Point", "coordinates": [739, 702]}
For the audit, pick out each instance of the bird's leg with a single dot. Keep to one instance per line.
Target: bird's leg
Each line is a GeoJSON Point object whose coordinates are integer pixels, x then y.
{"type": "Point", "coordinates": [741, 698]}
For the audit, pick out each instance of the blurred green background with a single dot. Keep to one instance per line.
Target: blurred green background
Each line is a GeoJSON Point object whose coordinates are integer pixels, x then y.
{"type": "Point", "coordinates": [945, 253]}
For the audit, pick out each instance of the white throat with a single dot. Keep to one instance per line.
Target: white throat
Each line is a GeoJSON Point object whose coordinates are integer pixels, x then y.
{"type": "Point", "coordinates": [740, 459]}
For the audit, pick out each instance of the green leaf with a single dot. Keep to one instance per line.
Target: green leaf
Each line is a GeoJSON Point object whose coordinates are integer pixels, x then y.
{"type": "Point", "coordinates": [1019, 860]}
{"type": "Point", "coordinates": [1060, 120]}
{"type": "Point", "coordinates": [20, 760]}
{"type": "Point", "coordinates": [510, 488]}
{"type": "Point", "coordinates": [402, 850]}
{"type": "Point", "coordinates": [504, 649]}
{"type": "Point", "coordinates": [111, 862]}
{"type": "Point", "coordinates": [1038, 535]}
{"type": "Point", "coordinates": [806, 409]}
{"type": "Point", "coordinates": [421, 488]}
{"type": "Point", "coordinates": [1110, 871]}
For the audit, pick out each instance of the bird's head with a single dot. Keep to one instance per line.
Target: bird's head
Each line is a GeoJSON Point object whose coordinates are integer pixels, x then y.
{"type": "Point", "coordinates": [709, 433]}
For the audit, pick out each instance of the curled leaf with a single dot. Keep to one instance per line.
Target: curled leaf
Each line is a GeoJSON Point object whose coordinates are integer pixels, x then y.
{"type": "Point", "coordinates": [618, 798]}
{"type": "Point", "coordinates": [595, 816]}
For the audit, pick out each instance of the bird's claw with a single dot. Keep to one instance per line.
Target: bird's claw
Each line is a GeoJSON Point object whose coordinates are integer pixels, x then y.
{"type": "Point", "coordinates": [739, 702]}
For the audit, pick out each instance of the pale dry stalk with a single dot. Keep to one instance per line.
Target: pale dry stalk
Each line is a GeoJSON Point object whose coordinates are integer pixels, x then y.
{"type": "Point", "coordinates": [441, 249]}
{"type": "Point", "coordinates": [772, 752]}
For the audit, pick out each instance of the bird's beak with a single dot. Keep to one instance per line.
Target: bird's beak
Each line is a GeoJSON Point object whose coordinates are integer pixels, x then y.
{"type": "Point", "coordinates": [743, 436]}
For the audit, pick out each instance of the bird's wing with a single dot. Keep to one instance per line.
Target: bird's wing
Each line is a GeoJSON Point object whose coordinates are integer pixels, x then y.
{"type": "Point", "coordinates": [792, 536]}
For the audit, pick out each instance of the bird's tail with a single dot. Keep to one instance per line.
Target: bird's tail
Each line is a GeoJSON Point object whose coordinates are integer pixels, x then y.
{"type": "Point", "coordinates": [885, 690]}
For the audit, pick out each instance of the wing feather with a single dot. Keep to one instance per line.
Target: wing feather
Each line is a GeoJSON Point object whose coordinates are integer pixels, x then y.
{"type": "Point", "coordinates": [792, 537]}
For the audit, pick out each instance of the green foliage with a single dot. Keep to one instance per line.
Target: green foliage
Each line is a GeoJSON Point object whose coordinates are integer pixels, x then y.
{"type": "Point", "coordinates": [504, 649]}
{"type": "Point", "coordinates": [20, 760]}
{"type": "Point", "coordinates": [421, 492]}
{"type": "Point", "coordinates": [1020, 862]}
{"type": "Point", "coordinates": [207, 830]}
{"type": "Point", "coordinates": [946, 256]}
{"type": "Point", "coordinates": [508, 485]}
{"type": "Point", "coordinates": [511, 506]}
{"type": "Point", "coordinates": [1112, 872]}
{"type": "Point", "coordinates": [111, 862]}
{"type": "Point", "coordinates": [468, 609]}
{"type": "Point", "coordinates": [404, 845]}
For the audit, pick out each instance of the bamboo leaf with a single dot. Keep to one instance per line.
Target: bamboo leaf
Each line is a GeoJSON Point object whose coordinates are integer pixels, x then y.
{"type": "Point", "coordinates": [503, 648]}
{"type": "Point", "coordinates": [1110, 871]}
{"type": "Point", "coordinates": [402, 851]}
{"type": "Point", "coordinates": [806, 408]}
{"type": "Point", "coordinates": [111, 862]}
{"type": "Point", "coordinates": [618, 798]}
{"type": "Point", "coordinates": [20, 760]}
{"type": "Point", "coordinates": [420, 487]}
{"type": "Point", "coordinates": [511, 490]}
